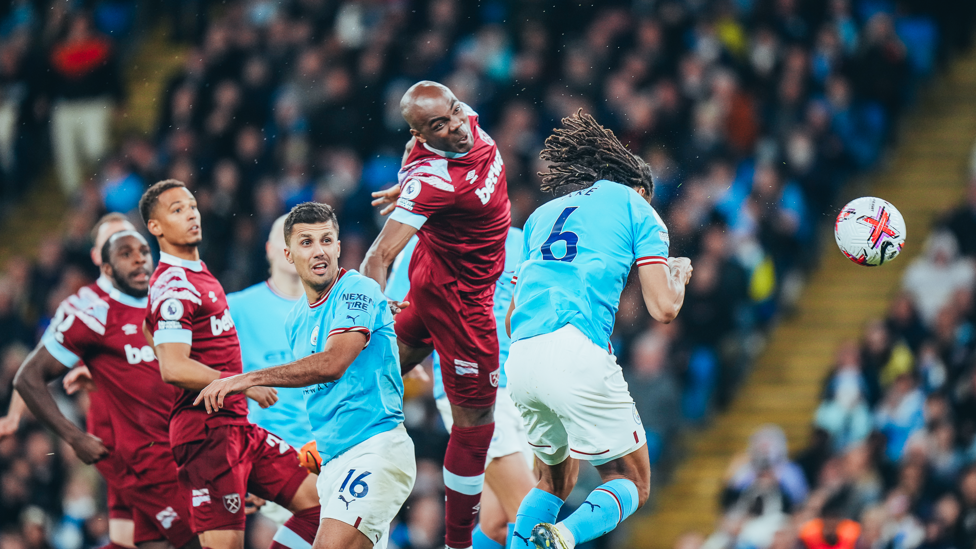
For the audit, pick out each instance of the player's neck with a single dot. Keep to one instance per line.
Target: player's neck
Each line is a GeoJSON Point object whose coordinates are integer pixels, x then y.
{"type": "Point", "coordinates": [314, 295]}
{"type": "Point", "coordinates": [286, 285]}
{"type": "Point", "coordinates": [189, 253]}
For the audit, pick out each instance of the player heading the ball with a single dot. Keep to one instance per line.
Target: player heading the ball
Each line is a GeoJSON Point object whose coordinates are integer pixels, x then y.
{"type": "Point", "coordinates": [346, 358]}
{"type": "Point", "coordinates": [454, 196]}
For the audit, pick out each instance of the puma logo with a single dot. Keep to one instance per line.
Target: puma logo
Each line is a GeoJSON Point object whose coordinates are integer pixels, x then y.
{"type": "Point", "coordinates": [343, 500]}
{"type": "Point", "coordinates": [593, 507]}
{"type": "Point", "coordinates": [352, 318]}
{"type": "Point", "coordinates": [524, 539]}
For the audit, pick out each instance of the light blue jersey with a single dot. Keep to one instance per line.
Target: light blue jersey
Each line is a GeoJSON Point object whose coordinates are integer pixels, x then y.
{"type": "Point", "coordinates": [259, 314]}
{"type": "Point", "coordinates": [368, 398]}
{"type": "Point", "coordinates": [399, 284]}
{"type": "Point", "coordinates": [577, 253]}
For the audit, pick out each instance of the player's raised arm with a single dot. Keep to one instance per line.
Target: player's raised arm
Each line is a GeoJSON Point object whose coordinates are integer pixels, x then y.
{"type": "Point", "coordinates": [340, 351]}
{"type": "Point", "coordinates": [390, 242]}
{"type": "Point", "coordinates": [31, 382]}
{"type": "Point", "coordinates": [663, 287]}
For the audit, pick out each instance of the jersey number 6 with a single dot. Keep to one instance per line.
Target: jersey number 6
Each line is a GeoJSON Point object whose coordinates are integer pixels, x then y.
{"type": "Point", "coordinates": [557, 234]}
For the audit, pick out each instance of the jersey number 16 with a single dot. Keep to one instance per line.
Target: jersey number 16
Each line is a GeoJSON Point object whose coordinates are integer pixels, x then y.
{"type": "Point", "coordinates": [558, 234]}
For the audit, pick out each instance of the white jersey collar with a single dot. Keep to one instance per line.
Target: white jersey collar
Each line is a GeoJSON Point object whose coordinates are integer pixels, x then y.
{"type": "Point", "coordinates": [105, 284]}
{"type": "Point", "coordinates": [195, 266]}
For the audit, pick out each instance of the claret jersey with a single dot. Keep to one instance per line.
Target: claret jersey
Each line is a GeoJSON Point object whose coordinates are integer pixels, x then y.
{"type": "Point", "coordinates": [459, 203]}
{"type": "Point", "coordinates": [102, 328]}
{"type": "Point", "coordinates": [187, 305]}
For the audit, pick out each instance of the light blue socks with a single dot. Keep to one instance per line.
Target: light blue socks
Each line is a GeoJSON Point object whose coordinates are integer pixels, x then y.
{"type": "Point", "coordinates": [538, 506]}
{"type": "Point", "coordinates": [606, 507]}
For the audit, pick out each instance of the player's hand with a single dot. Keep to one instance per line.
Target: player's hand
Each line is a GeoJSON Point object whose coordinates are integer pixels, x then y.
{"type": "Point", "coordinates": [681, 268]}
{"type": "Point", "coordinates": [419, 373]}
{"type": "Point", "coordinates": [387, 197]}
{"type": "Point", "coordinates": [253, 503]}
{"type": "Point", "coordinates": [78, 379]}
{"type": "Point", "coordinates": [89, 448]}
{"type": "Point", "coordinates": [264, 396]}
{"type": "Point", "coordinates": [397, 306]}
{"type": "Point", "coordinates": [9, 425]}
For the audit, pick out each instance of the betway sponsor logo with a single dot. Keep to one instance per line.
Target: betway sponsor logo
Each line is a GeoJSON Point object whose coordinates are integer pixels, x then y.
{"type": "Point", "coordinates": [484, 193]}
{"type": "Point", "coordinates": [222, 324]}
{"type": "Point", "coordinates": [135, 355]}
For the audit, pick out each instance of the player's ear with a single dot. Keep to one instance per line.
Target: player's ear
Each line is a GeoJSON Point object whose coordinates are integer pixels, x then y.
{"type": "Point", "coordinates": [154, 228]}
{"type": "Point", "coordinates": [288, 257]}
{"type": "Point", "coordinates": [106, 269]}
{"type": "Point", "coordinates": [418, 136]}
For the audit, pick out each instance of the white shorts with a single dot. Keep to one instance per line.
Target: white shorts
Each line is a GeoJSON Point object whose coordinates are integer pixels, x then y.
{"type": "Point", "coordinates": [366, 485]}
{"type": "Point", "coordinates": [573, 398]}
{"type": "Point", "coordinates": [509, 436]}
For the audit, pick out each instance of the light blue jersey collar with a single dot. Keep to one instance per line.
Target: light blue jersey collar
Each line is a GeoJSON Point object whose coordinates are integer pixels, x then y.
{"type": "Point", "coordinates": [446, 154]}
{"type": "Point", "coordinates": [105, 284]}
{"type": "Point", "coordinates": [195, 266]}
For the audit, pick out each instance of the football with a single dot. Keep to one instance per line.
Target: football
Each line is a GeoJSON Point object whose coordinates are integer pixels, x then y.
{"type": "Point", "coordinates": [870, 231]}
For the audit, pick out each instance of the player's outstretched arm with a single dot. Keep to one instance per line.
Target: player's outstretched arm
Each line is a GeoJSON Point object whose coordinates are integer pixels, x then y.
{"type": "Point", "coordinates": [31, 382]}
{"type": "Point", "coordinates": [11, 422]}
{"type": "Point", "coordinates": [663, 287]}
{"type": "Point", "coordinates": [390, 242]}
{"type": "Point", "coordinates": [177, 368]}
{"type": "Point", "coordinates": [340, 351]}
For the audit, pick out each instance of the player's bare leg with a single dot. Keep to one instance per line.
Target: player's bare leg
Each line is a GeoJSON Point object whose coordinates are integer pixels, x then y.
{"type": "Point", "coordinates": [306, 497]}
{"type": "Point", "coordinates": [165, 544]}
{"type": "Point", "coordinates": [626, 486]}
{"type": "Point", "coordinates": [507, 480]}
{"type": "Point", "coordinates": [222, 539]}
{"type": "Point", "coordinates": [410, 357]}
{"type": "Point", "coordinates": [121, 531]}
{"type": "Point", "coordinates": [305, 518]}
{"type": "Point", "coordinates": [335, 534]}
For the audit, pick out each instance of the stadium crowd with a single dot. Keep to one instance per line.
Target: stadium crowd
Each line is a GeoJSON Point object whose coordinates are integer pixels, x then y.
{"type": "Point", "coordinates": [752, 114]}
{"type": "Point", "coordinates": [892, 458]}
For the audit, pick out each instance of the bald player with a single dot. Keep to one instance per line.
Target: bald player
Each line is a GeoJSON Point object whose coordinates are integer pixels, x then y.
{"type": "Point", "coordinates": [120, 525]}
{"type": "Point", "coordinates": [259, 313]}
{"type": "Point", "coordinates": [453, 195]}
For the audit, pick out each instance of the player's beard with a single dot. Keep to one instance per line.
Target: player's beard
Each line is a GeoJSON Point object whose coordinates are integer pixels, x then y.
{"type": "Point", "coordinates": [122, 284]}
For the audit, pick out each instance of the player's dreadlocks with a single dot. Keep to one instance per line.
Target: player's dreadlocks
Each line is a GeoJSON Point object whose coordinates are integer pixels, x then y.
{"type": "Point", "coordinates": [584, 152]}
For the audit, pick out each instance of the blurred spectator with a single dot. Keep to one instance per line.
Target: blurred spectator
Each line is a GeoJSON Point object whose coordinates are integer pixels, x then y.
{"type": "Point", "coordinates": [85, 86]}
{"type": "Point", "coordinates": [767, 475]}
{"type": "Point", "coordinates": [932, 279]}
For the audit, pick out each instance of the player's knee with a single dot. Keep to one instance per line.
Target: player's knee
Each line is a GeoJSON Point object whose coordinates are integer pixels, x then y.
{"type": "Point", "coordinates": [643, 490]}
{"type": "Point", "coordinates": [472, 417]}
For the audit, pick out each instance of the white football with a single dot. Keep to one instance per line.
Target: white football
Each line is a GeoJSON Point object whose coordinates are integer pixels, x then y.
{"type": "Point", "coordinates": [870, 231]}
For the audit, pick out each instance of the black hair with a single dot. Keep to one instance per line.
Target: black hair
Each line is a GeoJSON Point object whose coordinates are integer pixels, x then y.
{"type": "Point", "coordinates": [151, 197]}
{"type": "Point", "coordinates": [106, 250]}
{"type": "Point", "coordinates": [310, 212]}
{"type": "Point", "coordinates": [583, 152]}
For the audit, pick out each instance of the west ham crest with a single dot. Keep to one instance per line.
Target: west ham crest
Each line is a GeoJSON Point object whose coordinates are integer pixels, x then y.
{"type": "Point", "coordinates": [232, 502]}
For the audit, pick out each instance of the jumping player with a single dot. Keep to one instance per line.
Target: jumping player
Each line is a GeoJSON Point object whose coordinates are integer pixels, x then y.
{"type": "Point", "coordinates": [259, 314]}
{"type": "Point", "coordinates": [454, 196]}
{"type": "Point", "coordinates": [220, 456]}
{"type": "Point", "coordinates": [100, 325]}
{"type": "Point", "coordinates": [562, 375]}
{"type": "Point", "coordinates": [508, 474]}
{"type": "Point", "coordinates": [348, 364]}
{"type": "Point", "coordinates": [99, 424]}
